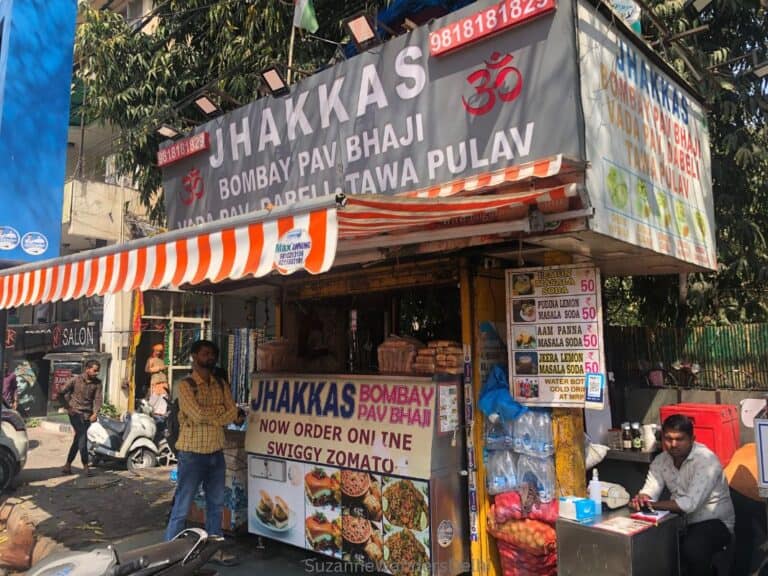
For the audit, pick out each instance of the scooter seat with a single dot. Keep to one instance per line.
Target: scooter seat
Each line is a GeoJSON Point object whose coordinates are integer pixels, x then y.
{"type": "Point", "coordinates": [115, 426]}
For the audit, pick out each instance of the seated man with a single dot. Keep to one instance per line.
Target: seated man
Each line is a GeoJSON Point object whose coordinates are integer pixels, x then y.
{"type": "Point", "coordinates": [694, 477]}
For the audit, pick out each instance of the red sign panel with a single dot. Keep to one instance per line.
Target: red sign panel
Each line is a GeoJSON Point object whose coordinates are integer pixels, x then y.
{"type": "Point", "coordinates": [61, 377]}
{"type": "Point", "coordinates": [183, 149]}
{"type": "Point", "coordinates": [487, 22]}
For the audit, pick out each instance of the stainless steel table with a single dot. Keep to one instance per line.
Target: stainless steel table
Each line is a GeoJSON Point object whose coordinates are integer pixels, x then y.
{"type": "Point", "coordinates": [595, 550]}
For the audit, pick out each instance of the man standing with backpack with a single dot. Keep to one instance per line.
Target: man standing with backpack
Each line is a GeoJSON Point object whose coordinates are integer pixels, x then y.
{"type": "Point", "coordinates": [205, 408]}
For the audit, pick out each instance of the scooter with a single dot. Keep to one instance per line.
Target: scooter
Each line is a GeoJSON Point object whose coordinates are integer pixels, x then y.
{"type": "Point", "coordinates": [185, 554]}
{"type": "Point", "coordinates": [133, 439]}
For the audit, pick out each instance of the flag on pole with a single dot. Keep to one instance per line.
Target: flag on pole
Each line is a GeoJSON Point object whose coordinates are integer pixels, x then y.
{"type": "Point", "coordinates": [304, 16]}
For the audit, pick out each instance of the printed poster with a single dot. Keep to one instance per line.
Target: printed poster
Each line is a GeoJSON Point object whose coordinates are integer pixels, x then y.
{"type": "Point", "coordinates": [555, 333]}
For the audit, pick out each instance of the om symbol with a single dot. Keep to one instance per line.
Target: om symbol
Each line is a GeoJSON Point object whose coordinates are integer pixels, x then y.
{"type": "Point", "coordinates": [193, 187]}
{"type": "Point", "coordinates": [489, 84]}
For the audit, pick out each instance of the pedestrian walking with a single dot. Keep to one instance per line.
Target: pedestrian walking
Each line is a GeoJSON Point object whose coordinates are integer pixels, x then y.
{"type": "Point", "coordinates": [205, 408]}
{"type": "Point", "coordinates": [82, 398]}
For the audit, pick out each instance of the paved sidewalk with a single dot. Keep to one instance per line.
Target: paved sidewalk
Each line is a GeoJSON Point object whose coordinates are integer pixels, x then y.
{"type": "Point", "coordinates": [78, 512]}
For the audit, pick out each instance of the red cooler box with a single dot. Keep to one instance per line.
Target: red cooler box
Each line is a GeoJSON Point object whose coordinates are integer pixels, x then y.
{"type": "Point", "coordinates": [715, 425]}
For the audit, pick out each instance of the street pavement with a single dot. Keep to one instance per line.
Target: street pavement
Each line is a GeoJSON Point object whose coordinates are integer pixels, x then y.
{"type": "Point", "coordinates": [129, 510]}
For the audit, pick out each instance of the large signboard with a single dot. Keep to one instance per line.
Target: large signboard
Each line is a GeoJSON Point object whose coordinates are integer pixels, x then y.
{"type": "Point", "coordinates": [649, 172]}
{"type": "Point", "coordinates": [35, 74]}
{"type": "Point", "coordinates": [555, 337]}
{"type": "Point", "coordinates": [390, 120]}
{"type": "Point", "coordinates": [345, 422]}
{"type": "Point", "coordinates": [58, 337]}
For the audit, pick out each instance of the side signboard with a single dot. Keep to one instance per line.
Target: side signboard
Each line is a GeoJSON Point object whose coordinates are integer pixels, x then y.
{"type": "Point", "coordinates": [555, 334]}
{"type": "Point", "coordinates": [649, 173]}
{"type": "Point", "coordinates": [344, 421]}
{"type": "Point", "coordinates": [388, 121]}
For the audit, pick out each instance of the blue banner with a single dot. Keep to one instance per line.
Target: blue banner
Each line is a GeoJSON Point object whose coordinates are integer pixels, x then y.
{"type": "Point", "coordinates": [36, 43]}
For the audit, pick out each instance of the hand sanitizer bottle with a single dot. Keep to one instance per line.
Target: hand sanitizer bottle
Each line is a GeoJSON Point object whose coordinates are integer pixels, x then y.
{"type": "Point", "coordinates": [594, 491]}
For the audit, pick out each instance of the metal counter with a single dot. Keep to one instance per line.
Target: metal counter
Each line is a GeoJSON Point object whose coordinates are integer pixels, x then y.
{"type": "Point", "coordinates": [588, 549]}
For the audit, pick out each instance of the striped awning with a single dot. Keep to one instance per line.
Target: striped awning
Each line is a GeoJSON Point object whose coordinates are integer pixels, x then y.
{"type": "Point", "coordinates": [302, 236]}
{"type": "Point", "coordinates": [252, 245]}
{"type": "Point", "coordinates": [538, 169]}
{"type": "Point", "coordinates": [365, 216]}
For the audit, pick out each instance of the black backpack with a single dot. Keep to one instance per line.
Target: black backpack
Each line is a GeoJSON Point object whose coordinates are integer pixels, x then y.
{"type": "Point", "coordinates": [172, 426]}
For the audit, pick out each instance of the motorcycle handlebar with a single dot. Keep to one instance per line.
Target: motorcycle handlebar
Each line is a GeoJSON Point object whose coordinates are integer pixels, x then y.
{"type": "Point", "coordinates": [129, 567]}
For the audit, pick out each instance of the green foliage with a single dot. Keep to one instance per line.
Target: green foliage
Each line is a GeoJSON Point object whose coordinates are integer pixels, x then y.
{"type": "Point", "coordinates": [109, 410]}
{"type": "Point", "coordinates": [738, 109]}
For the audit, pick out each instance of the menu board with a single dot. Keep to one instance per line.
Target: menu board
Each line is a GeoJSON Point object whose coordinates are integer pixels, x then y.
{"type": "Point", "coordinates": [554, 321]}
{"type": "Point", "coordinates": [381, 522]}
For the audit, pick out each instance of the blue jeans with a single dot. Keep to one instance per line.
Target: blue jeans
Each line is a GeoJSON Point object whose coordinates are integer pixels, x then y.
{"type": "Point", "coordinates": [194, 469]}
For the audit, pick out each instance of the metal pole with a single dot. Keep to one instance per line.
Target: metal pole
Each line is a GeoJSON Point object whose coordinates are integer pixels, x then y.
{"type": "Point", "coordinates": [289, 75]}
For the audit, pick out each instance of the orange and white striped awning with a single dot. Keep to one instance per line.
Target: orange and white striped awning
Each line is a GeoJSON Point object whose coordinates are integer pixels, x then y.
{"type": "Point", "coordinates": [538, 169]}
{"type": "Point", "coordinates": [242, 246]}
{"type": "Point", "coordinates": [301, 236]}
{"type": "Point", "coordinates": [365, 216]}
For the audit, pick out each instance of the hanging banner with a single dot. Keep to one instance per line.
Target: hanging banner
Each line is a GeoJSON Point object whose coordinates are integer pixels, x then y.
{"type": "Point", "coordinates": [649, 171]}
{"type": "Point", "coordinates": [555, 333]}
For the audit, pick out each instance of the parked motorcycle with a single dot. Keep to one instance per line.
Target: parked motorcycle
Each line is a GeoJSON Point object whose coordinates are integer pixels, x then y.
{"type": "Point", "coordinates": [183, 555]}
{"type": "Point", "coordinates": [134, 439]}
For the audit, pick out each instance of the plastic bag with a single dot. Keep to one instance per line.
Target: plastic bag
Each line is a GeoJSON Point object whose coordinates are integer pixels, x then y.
{"type": "Point", "coordinates": [509, 506]}
{"type": "Point", "coordinates": [495, 396]}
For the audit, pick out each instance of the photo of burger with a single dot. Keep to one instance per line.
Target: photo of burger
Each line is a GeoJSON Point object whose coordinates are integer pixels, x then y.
{"type": "Point", "coordinates": [323, 534]}
{"type": "Point", "coordinates": [273, 512]}
{"type": "Point", "coordinates": [322, 487]}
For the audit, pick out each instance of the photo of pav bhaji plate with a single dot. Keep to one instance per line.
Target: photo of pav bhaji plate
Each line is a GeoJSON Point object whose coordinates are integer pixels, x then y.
{"type": "Point", "coordinates": [355, 484]}
{"type": "Point", "coordinates": [355, 530]}
{"type": "Point", "coordinates": [405, 555]}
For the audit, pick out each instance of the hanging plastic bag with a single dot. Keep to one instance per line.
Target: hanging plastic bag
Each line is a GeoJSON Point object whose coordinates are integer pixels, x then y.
{"type": "Point", "coordinates": [495, 396]}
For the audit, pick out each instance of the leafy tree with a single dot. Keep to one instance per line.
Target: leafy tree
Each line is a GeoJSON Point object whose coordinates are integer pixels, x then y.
{"type": "Point", "coordinates": [717, 61]}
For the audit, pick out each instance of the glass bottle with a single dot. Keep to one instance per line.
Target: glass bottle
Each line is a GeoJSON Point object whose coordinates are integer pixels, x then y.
{"type": "Point", "coordinates": [637, 437]}
{"type": "Point", "coordinates": [626, 436]}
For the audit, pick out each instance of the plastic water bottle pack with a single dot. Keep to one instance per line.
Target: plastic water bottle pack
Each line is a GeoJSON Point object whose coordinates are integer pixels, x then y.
{"type": "Point", "coordinates": [533, 434]}
{"type": "Point", "coordinates": [502, 471]}
{"type": "Point", "coordinates": [538, 473]}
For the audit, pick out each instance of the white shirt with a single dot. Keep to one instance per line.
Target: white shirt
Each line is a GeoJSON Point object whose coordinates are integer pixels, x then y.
{"type": "Point", "coordinates": [699, 487]}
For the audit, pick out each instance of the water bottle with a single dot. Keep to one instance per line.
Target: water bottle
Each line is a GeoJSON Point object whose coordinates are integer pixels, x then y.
{"type": "Point", "coordinates": [497, 479]}
{"type": "Point", "coordinates": [524, 432]}
{"type": "Point", "coordinates": [544, 440]}
{"type": "Point", "coordinates": [510, 469]}
{"type": "Point", "coordinates": [494, 431]}
{"type": "Point", "coordinates": [509, 434]}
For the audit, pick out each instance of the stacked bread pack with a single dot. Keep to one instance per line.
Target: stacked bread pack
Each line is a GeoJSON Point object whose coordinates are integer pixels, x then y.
{"type": "Point", "coordinates": [441, 357]}
{"type": "Point", "coordinates": [397, 354]}
{"type": "Point", "coordinates": [273, 356]}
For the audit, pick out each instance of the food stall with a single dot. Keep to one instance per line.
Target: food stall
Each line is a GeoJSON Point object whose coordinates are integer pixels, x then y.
{"type": "Point", "coordinates": [503, 170]}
